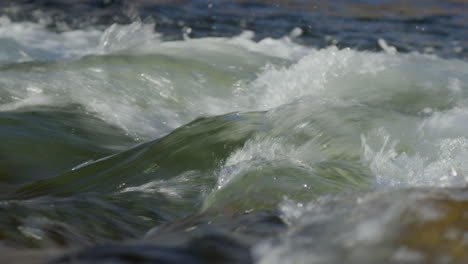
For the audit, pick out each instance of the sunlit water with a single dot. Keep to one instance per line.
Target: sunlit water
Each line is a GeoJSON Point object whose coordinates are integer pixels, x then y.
{"type": "Point", "coordinates": [123, 144]}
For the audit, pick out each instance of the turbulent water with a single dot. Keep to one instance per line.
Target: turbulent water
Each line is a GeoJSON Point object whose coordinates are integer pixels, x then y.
{"type": "Point", "coordinates": [234, 132]}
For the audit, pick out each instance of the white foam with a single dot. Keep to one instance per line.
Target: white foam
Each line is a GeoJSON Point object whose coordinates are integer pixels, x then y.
{"type": "Point", "coordinates": [34, 41]}
{"type": "Point", "coordinates": [443, 166]}
{"type": "Point", "coordinates": [121, 37]}
{"type": "Point", "coordinates": [160, 187]}
{"type": "Point", "coordinates": [156, 86]}
{"type": "Point", "coordinates": [387, 48]}
{"type": "Point", "coordinates": [283, 47]}
{"type": "Point", "coordinates": [254, 152]}
{"type": "Point", "coordinates": [144, 101]}
{"type": "Point", "coordinates": [362, 76]}
{"type": "Point", "coordinates": [32, 100]}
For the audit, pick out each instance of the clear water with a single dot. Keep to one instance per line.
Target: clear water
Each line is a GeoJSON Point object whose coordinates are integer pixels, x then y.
{"type": "Point", "coordinates": [234, 132]}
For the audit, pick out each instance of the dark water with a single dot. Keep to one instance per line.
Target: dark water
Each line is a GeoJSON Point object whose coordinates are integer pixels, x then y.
{"type": "Point", "coordinates": [426, 26]}
{"type": "Point", "coordinates": [233, 131]}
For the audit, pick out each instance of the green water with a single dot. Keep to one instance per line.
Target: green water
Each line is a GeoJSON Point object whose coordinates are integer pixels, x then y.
{"type": "Point", "coordinates": [279, 152]}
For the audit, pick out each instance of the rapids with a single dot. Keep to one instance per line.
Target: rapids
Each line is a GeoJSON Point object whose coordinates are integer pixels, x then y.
{"type": "Point", "coordinates": [121, 145]}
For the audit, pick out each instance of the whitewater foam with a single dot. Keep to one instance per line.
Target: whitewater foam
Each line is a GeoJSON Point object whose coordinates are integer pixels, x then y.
{"type": "Point", "coordinates": [148, 87]}
{"type": "Point", "coordinates": [31, 41]}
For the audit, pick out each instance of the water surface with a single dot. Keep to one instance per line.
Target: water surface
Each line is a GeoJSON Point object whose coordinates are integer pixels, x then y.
{"type": "Point", "coordinates": [233, 132]}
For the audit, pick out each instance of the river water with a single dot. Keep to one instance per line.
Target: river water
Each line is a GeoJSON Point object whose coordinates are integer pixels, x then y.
{"type": "Point", "coordinates": [234, 131]}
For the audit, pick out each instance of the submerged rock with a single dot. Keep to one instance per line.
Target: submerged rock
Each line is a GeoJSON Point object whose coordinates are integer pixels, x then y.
{"type": "Point", "coordinates": [197, 239]}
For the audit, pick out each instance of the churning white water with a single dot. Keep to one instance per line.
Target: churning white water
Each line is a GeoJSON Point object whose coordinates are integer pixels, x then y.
{"type": "Point", "coordinates": [333, 121]}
